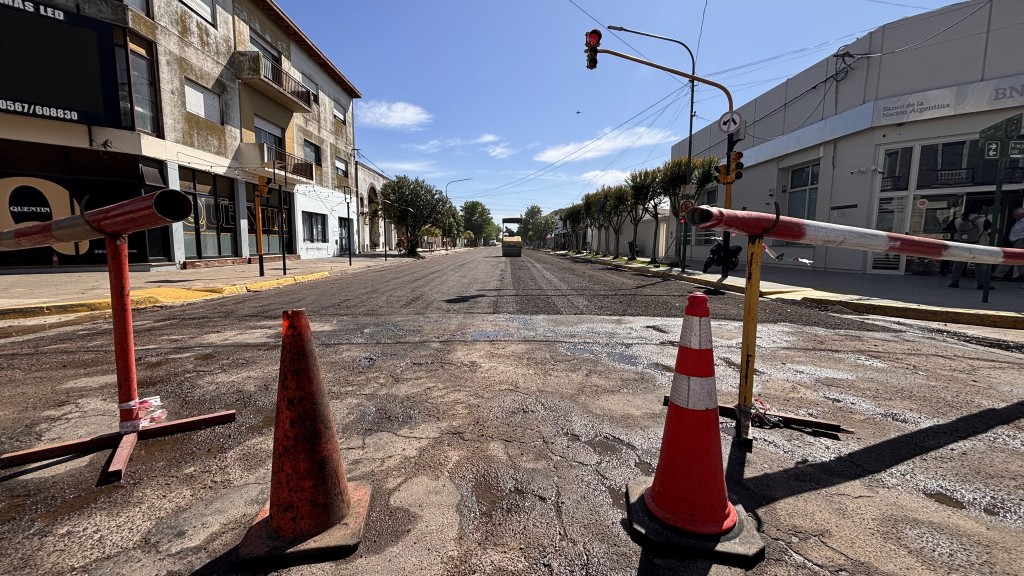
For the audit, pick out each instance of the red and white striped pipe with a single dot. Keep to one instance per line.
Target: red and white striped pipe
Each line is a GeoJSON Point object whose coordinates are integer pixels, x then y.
{"type": "Point", "coordinates": [142, 213]}
{"type": "Point", "coordinates": [825, 234]}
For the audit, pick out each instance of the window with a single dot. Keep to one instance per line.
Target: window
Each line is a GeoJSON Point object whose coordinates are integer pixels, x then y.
{"type": "Point", "coordinates": [209, 231]}
{"type": "Point", "coordinates": [314, 227]}
{"type": "Point", "coordinates": [265, 47]}
{"type": "Point", "coordinates": [339, 113]}
{"type": "Point", "coordinates": [140, 5]}
{"type": "Point", "coordinates": [140, 63]}
{"type": "Point", "coordinates": [803, 192]}
{"type": "Point", "coordinates": [896, 169]}
{"type": "Point", "coordinates": [202, 102]}
{"type": "Point", "coordinates": [268, 133]}
{"type": "Point", "coordinates": [311, 152]}
{"type": "Point", "coordinates": [202, 7]}
{"type": "Point", "coordinates": [314, 88]}
{"type": "Point", "coordinates": [340, 166]}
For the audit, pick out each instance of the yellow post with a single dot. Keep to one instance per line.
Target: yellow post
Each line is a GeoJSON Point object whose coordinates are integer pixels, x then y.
{"type": "Point", "coordinates": [749, 343]}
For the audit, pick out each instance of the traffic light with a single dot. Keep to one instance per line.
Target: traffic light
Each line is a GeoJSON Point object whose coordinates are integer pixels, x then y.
{"type": "Point", "coordinates": [735, 166]}
{"type": "Point", "coordinates": [722, 175]}
{"type": "Point", "coordinates": [593, 40]}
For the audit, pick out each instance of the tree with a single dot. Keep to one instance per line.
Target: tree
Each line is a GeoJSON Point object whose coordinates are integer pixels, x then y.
{"type": "Point", "coordinates": [642, 184]}
{"type": "Point", "coordinates": [653, 203]}
{"type": "Point", "coordinates": [674, 175]}
{"type": "Point", "coordinates": [452, 227]}
{"type": "Point", "coordinates": [413, 204]}
{"type": "Point", "coordinates": [476, 218]}
{"type": "Point", "coordinates": [618, 211]}
{"type": "Point", "coordinates": [574, 218]}
{"type": "Point", "coordinates": [532, 229]}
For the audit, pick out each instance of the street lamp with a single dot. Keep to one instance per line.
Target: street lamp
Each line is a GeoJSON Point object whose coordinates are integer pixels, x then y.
{"type": "Point", "coordinates": [452, 182]}
{"type": "Point", "coordinates": [689, 141]}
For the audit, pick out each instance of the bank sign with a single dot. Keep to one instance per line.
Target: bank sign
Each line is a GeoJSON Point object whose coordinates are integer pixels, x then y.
{"type": "Point", "coordinates": [57, 65]}
{"type": "Point", "coordinates": [978, 97]}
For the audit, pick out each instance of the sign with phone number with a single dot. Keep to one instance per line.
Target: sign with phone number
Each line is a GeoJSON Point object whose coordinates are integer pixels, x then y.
{"type": "Point", "coordinates": [37, 110]}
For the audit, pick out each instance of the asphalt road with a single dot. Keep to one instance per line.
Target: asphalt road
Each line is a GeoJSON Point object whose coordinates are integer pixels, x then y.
{"type": "Point", "coordinates": [498, 406]}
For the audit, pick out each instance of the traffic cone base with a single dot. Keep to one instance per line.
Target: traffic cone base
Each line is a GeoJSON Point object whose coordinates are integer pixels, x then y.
{"type": "Point", "coordinates": [338, 541]}
{"type": "Point", "coordinates": [740, 547]}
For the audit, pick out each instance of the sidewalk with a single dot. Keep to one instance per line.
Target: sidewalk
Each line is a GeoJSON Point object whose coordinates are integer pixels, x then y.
{"type": "Point", "coordinates": [55, 291]}
{"type": "Point", "coordinates": [926, 298]}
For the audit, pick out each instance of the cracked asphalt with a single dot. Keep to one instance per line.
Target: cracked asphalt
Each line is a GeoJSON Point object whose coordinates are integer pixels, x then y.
{"type": "Point", "coordinates": [499, 406]}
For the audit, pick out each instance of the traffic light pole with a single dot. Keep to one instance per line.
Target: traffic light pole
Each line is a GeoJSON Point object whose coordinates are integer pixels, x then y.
{"type": "Point", "coordinates": [693, 77]}
{"type": "Point", "coordinates": [730, 145]}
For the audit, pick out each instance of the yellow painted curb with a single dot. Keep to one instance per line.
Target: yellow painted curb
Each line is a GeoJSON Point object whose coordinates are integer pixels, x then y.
{"type": "Point", "coordinates": [990, 319]}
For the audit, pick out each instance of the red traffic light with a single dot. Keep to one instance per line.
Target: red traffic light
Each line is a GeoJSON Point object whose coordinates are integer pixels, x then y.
{"type": "Point", "coordinates": [593, 38]}
{"type": "Point", "coordinates": [736, 156]}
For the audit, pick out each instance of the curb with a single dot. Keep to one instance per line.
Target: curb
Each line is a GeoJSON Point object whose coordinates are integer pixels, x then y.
{"type": "Point", "coordinates": [155, 297]}
{"type": "Point", "coordinates": [859, 304]}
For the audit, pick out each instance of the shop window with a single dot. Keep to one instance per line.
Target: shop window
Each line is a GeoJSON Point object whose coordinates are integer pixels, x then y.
{"type": "Point", "coordinates": [314, 227]}
{"type": "Point", "coordinates": [896, 169]}
{"type": "Point", "coordinates": [202, 102]}
{"type": "Point", "coordinates": [210, 231]}
{"type": "Point", "coordinates": [951, 164]}
{"type": "Point", "coordinates": [803, 192]}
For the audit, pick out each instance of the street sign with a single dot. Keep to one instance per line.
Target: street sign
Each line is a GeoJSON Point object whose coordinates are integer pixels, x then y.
{"type": "Point", "coordinates": [992, 149]}
{"type": "Point", "coordinates": [1017, 149]}
{"type": "Point", "coordinates": [730, 122]}
{"type": "Point", "coordinates": [921, 203]}
{"type": "Point", "coordinates": [685, 205]}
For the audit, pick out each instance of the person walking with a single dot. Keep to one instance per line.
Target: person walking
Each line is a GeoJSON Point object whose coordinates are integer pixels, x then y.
{"type": "Point", "coordinates": [971, 228]}
{"type": "Point", "coordinates": [1016, 238]}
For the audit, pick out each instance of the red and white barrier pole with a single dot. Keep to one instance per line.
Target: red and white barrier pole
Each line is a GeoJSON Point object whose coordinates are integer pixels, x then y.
{"type": "Point", "coordinates": [825, 234]}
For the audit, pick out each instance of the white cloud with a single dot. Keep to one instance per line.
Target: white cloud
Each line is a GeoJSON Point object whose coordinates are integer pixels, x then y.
{"type": "Point", "coordinates": [633, 138]}
{"type": "Point", "coordinates": [605, 177]}
{"type": "Point", "coordinates": [394, 115]}
{"type": "Point", "coordinates": [406, 167]}
{"type": "Point", "coordinates": [500, 151]}
{"type": "Point", "coordinates": [486, 138]}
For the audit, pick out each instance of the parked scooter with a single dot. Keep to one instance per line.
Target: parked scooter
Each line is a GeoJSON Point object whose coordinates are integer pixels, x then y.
{"type": "Point", "coordinates": [715, 256]}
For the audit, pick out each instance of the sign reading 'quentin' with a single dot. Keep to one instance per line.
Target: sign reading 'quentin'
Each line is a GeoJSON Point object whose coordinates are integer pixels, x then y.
{"type": "Point", "coordinates": [57, 65]}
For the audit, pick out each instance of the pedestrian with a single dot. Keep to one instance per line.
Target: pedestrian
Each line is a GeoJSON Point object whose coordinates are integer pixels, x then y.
{"type": "Point", "coordinates": [949, 227]}
{"type": "Point", "coordinates": [1016, 238]}
{"type": "Point", "coordinates": [971, 228]}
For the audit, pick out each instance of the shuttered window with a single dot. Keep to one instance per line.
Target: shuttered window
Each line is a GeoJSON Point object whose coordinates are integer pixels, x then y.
{"type": "Point", "coordinates": [202, 102]}
{"type": "Point", "coordinates": [202, 7]}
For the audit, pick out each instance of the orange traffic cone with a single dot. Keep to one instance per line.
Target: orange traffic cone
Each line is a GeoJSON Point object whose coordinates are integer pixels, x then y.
{"type": "Point", "coordinates": [313, 510]}
{"type": "Point", "coordinates": [686, 504]}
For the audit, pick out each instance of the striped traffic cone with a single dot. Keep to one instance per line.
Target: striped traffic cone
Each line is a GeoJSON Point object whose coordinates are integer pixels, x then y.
{"type": "Point", "coordinates": [686, 505]}
{"type": "Point", "coordinates": [313, 510]}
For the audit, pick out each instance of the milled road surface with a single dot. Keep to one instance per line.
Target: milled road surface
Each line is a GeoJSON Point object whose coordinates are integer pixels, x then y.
{"type": "Point", "coordinates": [498, 406]}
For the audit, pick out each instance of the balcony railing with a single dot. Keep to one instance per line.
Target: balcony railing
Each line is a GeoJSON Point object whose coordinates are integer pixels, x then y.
{"type": "Point", "coordinates": [961, 177]}
{"type": "Point", "coordinates": [277, 159]}
{"type": "Point", "coordinates": [267, 76]}
{"type": "Point", "coordinates": [273, 72]}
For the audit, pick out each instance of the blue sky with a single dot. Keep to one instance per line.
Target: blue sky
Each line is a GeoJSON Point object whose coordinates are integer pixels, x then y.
{"type": "Point", "coordinates": [498, 92]}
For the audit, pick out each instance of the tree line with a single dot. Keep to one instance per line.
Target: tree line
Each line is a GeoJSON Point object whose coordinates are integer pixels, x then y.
{"type": "Point", "coordinates": [424, 211]}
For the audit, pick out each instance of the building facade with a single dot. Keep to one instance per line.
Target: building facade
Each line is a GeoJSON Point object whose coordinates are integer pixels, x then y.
{"type": "Point", "coordinates": [885, 134]}
{"type": "Point", "coordinates": [226, 100]}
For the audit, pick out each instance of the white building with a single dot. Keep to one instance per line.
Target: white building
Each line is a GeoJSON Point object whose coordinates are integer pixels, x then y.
{"type": "Point", "coordinates": [884, 134]}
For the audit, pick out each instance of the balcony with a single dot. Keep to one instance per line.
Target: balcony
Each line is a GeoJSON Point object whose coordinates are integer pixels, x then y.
{"type": "Point", "coordinates": [266, 160]}
{"type": "Point", "coordinates": [266, 76]}
{"type": "Point", "coordinates": [962, 177]}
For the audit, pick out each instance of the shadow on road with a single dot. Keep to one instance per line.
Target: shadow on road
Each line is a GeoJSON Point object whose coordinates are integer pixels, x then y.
{"type": "Point", "coordinates": [767, 488]}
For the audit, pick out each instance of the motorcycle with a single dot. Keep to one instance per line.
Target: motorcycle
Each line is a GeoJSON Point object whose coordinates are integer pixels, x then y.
{"type": "Point", "coordinates": [715, 256]}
